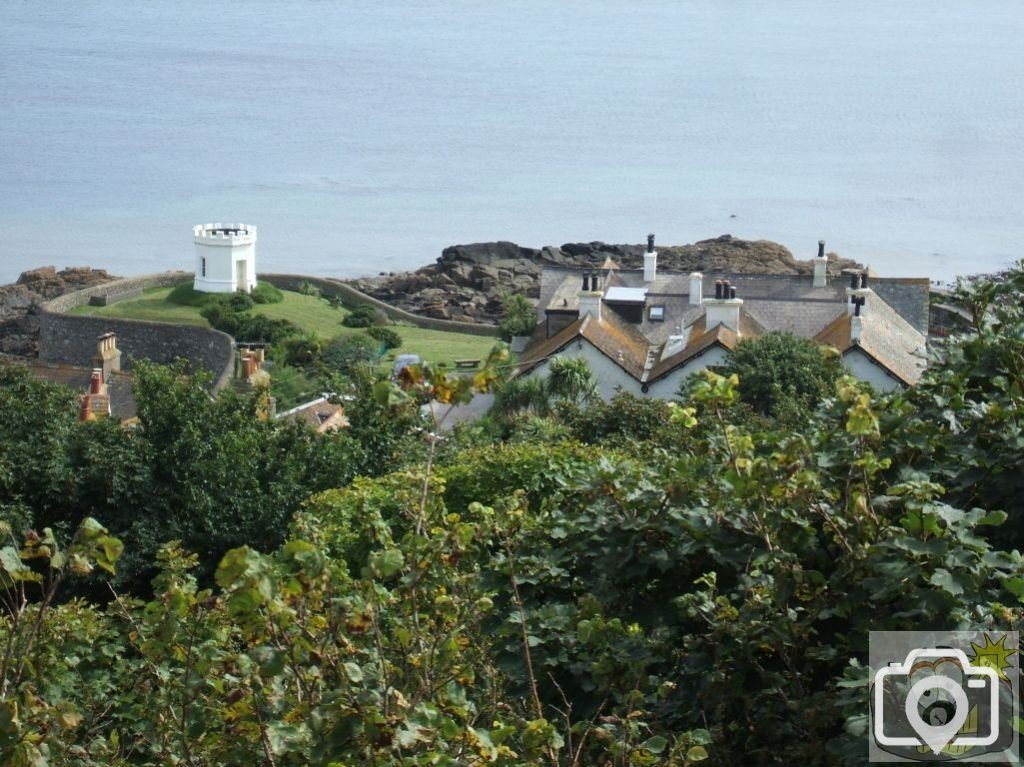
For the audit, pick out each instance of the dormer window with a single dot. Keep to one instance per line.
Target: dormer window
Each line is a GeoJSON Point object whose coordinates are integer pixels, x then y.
{"type": "Point", "coordinates": [657, 314]}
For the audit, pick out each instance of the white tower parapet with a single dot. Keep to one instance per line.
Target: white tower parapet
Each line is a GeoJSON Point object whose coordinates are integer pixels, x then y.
{"type": "Point", "coordinates": [225, 257]}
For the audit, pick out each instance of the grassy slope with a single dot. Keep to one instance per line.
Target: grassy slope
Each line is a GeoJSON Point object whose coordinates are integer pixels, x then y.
{"type": "Point", "coordinates": [311, 314]}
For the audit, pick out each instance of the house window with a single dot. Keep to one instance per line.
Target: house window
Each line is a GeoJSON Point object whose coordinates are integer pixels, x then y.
{"type": "Point", "coordinates": [203, 266]}
{"type": "Point", "coordinates": [657, 314]}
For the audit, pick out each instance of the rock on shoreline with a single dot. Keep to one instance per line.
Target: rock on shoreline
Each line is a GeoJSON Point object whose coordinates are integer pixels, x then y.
{"type": "Point", "coordinates": [19, 325]}
{"type": "Point", "coordinates": [467, 281]}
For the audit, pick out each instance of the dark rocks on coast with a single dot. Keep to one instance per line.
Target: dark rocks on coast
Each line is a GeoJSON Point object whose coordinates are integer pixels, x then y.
{"type": "Point", "coordinates": [468, 281]}
{"type": "Point", "coordinates": [19, 325]}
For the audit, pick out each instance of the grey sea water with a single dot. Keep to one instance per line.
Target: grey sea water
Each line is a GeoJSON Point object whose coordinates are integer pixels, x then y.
{"type": "Point", "coordinates": [367, 136]}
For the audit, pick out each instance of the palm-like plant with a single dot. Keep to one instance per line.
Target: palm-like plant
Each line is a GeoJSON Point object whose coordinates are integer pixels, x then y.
{"type": "Point", "coordinates": [571, 379]}
{"type": "Point", "coordinates": [520, 396]}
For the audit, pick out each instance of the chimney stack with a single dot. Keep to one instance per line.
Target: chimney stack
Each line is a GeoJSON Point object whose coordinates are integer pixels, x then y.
{"type": "Point", "coordinates": [108, 356]}
{"type": "Point", "coordinates": [696, 288]}
{"type": "Point", "coordinates": [590, 297]}
{"type": "Point", "coordinates": [724, 308]}
{"type": "Point", "coordinates": [650, 260]}
{"type": "Point", "coordinates": [820, 266]}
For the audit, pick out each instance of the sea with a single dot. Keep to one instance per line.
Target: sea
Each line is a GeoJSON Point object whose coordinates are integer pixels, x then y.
{"type": "Point", "coordinates": [365, 136]}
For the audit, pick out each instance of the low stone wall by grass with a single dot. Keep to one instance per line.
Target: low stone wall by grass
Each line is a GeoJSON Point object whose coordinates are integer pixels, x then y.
{"type": "Point", "coordinates": [353, 297]}
{"type": "Point", "coordinates": [69, 301]}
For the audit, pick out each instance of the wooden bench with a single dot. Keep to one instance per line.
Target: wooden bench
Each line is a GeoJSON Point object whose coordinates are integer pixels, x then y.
{"type": "Point", "coordinates": [467, 363]}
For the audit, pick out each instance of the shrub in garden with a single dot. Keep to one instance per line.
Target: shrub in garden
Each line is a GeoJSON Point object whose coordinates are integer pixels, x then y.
{"type": "Point", "coordinates": [385, 335]}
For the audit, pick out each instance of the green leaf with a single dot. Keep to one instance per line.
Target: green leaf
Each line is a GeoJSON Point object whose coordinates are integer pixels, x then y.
{"type": "Point", "coordinates": [696, 754]}
{"type": "Point", "coordinates": [655, 745]}
{"type": "Point", "coordinates": [11, 562]}
{"type": "Point", "coordinates": [235, 564]}
{"type": "Point", "coordinates": [270, 660]}
{"type": "Point", "coordinates": [386, 563]}
{"type": "Point", "coordinates": [992, 518]}
{"type": "Point", "coordinates": [353, 672]}
{"type": "Point", "coordinates": [946, 581]}
{"type": "Point", "coordinates": [1015, 586]}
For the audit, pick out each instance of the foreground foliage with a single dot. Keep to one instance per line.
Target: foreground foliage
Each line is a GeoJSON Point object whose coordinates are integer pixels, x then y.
{"type": "Point", "coordinates": [694, 586]}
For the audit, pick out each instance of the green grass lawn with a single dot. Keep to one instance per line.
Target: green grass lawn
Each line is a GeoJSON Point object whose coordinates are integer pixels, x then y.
{"type": "Point", "coordinates": [311, 314]}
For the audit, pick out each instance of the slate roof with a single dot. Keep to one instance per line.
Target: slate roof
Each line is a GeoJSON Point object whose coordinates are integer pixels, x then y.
{"type": "Point", "coordinates": [120, 386]}
{"type": "Point", "coordinates": [894, 329]}
{"type": "Point", "coordinates": [610, 335]}
{"type": "Point", "coordinates": [886, 337]}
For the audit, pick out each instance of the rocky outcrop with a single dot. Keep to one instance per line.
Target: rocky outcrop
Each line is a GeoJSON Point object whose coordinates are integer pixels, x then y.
{"type": "Point", "coordinates": [468, 281]}
{"type": "Point", "coordinates": [19, 323]}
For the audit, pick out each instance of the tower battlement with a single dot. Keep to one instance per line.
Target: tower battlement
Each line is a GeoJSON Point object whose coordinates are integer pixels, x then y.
{"type": "Point", "coordinates": [219, 234]}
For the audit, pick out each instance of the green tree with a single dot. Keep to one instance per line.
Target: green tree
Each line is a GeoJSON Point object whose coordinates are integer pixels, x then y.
{"type": "Point", "coordinates": [520, 318]}
{"type": "Point", "coordinates": [345, 354]}
{"type": "Point", "coordinates": [571, 379]}
{"type": "Point", "coordinates": [782, 375]}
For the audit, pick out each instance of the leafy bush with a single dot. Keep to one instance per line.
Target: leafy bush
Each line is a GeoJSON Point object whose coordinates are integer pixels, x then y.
{"type": "Point", "coordinates": [781, 374]}
{"type": "Point", "coordinates": [240, 301]}
{"type": "Point", "coordinates": [345, 353]}
{"type": "Point", "coordinates": [387, 336]}
{"type": "Point", "coordinates": [520, 317]}
{"type": "Point", "coordinates": [289, 386]}
{"type": "Point", "coordinates": [265, 293]}
{"type": "Point", "coordinates": [363, 316]}
{"type": "Point", "coordinates": [300, 351]}
{"type": "Point", "coordinates": [244, 326]}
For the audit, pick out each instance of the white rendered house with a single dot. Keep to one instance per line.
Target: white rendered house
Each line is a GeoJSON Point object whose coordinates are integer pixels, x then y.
{"type": "Point", "coordinates": [225, 257]}
{"type": "Point", "coordinates": [645, 330]}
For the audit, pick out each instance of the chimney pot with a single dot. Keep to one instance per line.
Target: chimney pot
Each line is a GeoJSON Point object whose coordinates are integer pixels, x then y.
{"type": "Point", "coordinates": [732, 292]}
{"type": "Point", "coordinates": [650, 243]}
{"type": "Point", "coordinates": [586, 282]}
{"type": "Point", "coordinates": [718, 288]}
{"type": "Point", "coordinates": [821, 248]}
{"type": "Point", "coordinates": [854, 281]}
{"type": "Point", "coordinates": [96, 382]}
{"type": "Point", "coordinates": [864, 279]}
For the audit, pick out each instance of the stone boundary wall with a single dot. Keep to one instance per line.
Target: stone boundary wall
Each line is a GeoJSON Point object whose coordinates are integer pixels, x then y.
{"type": "Point", "coordinates": [350, 295]}
{"type": "Point", "coordinates": [71, 339]}
{"type": "Point", "coordinates": [69, 301]}
{"type": "Point", "coordinates": [106, 299]}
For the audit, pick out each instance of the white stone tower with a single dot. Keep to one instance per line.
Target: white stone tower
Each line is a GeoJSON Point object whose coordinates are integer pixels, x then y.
{"type": "Point", "coordinates": [225, 257]}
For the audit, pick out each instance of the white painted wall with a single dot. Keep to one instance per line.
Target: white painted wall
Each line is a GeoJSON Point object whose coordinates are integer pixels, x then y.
{"type": "Point", "coordinates": [667, 387]}
{"type": "Point", "coordinates": [223, 254]}
{"type": "Point", "coordinates": [608, 374]}
{"type": "Point", "coordinates": [860, 366]}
